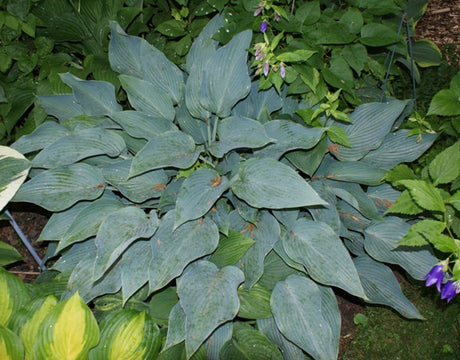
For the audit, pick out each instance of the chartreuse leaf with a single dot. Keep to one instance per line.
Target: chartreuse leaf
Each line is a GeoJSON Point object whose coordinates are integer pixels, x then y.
{"type": "Point", "coordinates": [405, 204]}
{"type": "Point", "coordinates": [174, 249]}
{"type": "Point", "coordinates": [13, 296]}
{"type": "Point", "coordinates": [11, 347]}
{"type": "Point", "coordinates": [261, 182]}
{"type": "Point", "coordinates": [254, 303]}
{"type": "Point", "coordinates": [170, 149]}
{"type": "Point", "coordinates": [316, 246]}
{"type": "Point", "coordinates": [231, 248]}
{"type": "Point", "coordinates": [338, 135]}
{"type": "Point", "coordinates": [117, 232]}
{"type": "Point", "coordinates": [67, 332]}
{"type": "Point", "coordinates": [127, 334]}
{"type": "Point", "coordinates": [198, 194]}
{"type": "Point", "coordinates": [381, 243]}
{"type": "Point", "coordinates": [455, 200]}
{"type": "Point", "coordinates": [295, 303]}
{"type": "Point", "coordinates": [381, 287]}
{"type": "Point", "coordinates": [425, 194]}
{"type": "Point", "coordinates": [248, 343]}
{"type": "Point", "coordinates": [429, 231]}
{"type": "Point", "coordinates": [209, 298]}
{"type": "Point", "coordinates": [8, 254]}
{"type": "Point", "coordinates": [445, 167]}
{"type": "Point", "coordinates": [15, 168]}
{"type": "Point", "coordinates": [60, 188]}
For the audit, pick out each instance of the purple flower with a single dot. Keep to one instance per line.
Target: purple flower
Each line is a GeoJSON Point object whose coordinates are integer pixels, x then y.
{"type": "Point", "coordinates": [449, 290]}
{"type": "Point", "coordinates": [277, 16]}
{"type": "Point", "coordinates": [266, 68]}
{"type": "Point", "coordinates": [282, 71]}
{"type": "Point", "coordinates": [263, 26]}
{"type": "Point", "coordinates": [258, 11]}
{"type": "Point", "coordinates": [435, 276]}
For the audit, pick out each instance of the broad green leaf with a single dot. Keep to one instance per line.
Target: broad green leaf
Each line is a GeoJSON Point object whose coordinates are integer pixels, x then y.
{"type": "Point", "coordinates": [238, 132]}
{"type": "Point", "coordinates": [426, 53]}
{"type": "Point", "coordinates": [355, 172]}
{"type": "Point", "coordinates": [381, 243]}
{"type": "Point", "coordinates": [297, 308]}
{"type": "Point", "coordinates": [444, 103]}
{"type": "Point", "coordinates": [308, 13]}
{"type": "Point", "coordinates": [127, 334]}
{"type": "Point", "coordinates": [178, 352]}
{"type": "Point", "coordinates": [257, 103]}
{"type": "Point", "coordinates": [79, 145]}
{"type": "Point", "coordinates": [8, 254]}
{"type": "Point", "coordinates": [60, 188]}
{"type": "Point", "coordinates": [134, 56]}
{"type": "Point", "coordinates": [353, 20]}
{"type": "Point", "coordinates": [316, 246]}
{"type": "Point", "coordinates": [231, 248]}
{"type": "Point", "coordinates": [172, 28]}
{"type": "Point", "coordinates": [44, 135]}
{"type": "Point", "coordinates": [295, 56]}
{"type": "Point", "coordinates": [308, 161]}
{"type": "Point", "coordinates": [455, 200]}
{"type": "Point", "coordinates": [225, 76]}
{"type": "Point", "coordinates": [145, 97]}
{"type": "Point", "coordinates": [331, 33]}
{"type": "Point", "coordinates": [95, 97]}
{"type": "Point", "coordinates": [254, 303]}
{"type": "Point", "coordinates": [142, 125]}
{"type": "Point", "coordinates": [217, 339]}
{"type": "Point", "coordinates": [425, 194]}
{"type": "Point", "coordinates": [62, 107]}
{"type": "Point", "coordinates": [117, 231]}
{"type": "Point", "coordinates": [209, 298]}
{"type": "Point", "coordinates": [11, 347]}
{"type": "Point", "coordinates": [67, 332]}
{"type": "Point", "coordinates": [161, 304]}
{"type": "Point", "coordinates": [374, 34]}
{"type": "Point", "coordinates": [338, 135]}
{"type": "Point", "coordinates": [429, 231]}
{"type": "Point", "coordinates": [15, 168]}
{"type": "Point", "coordinates": [170, 149]}
{"type": "Point", "coordinates": [248, 343]}
{"type": "Point", "coordinates": [198, 194]}
{"type": "Point", "coordinates": [13, 296]}
{"type": "Point", "coordinates": [400, 172]}
{"type": "Point", "coordinates": [355, 55]}
{"type": "Point", "coordinates": [405, 204]}
{"type": "Point", "coordinates": [261, 183]}
{"type": "Point", "coordinates": [445, 167]}
{"type": "Point", "coordinates": [174, 249]}
{"type": "Point", "coordinates": [381, 287]}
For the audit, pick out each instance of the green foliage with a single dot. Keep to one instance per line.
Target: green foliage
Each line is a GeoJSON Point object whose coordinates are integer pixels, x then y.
{"type": "Point", "coordinates": [204, 194]}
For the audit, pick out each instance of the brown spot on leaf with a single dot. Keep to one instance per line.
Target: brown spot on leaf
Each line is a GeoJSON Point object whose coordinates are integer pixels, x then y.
{"type": "Point", "coordinates": [216, 182]}
{"type": "Point", "coordinates": [333, 148]}
{"type": "Point", "coordinates": [158, 187]}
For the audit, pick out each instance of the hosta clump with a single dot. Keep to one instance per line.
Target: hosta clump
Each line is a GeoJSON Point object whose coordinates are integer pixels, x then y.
{"type": "Point", "coordinates": [214, 206]}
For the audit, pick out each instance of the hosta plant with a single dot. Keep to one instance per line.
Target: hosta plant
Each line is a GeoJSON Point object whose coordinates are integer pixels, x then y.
{"type": "Point", "coordinates": [215, 207]}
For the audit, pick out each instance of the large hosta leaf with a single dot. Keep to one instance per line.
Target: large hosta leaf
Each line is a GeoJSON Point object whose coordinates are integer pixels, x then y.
{"type": "Point", "coordinates": [209, 298]}
{"type": "Point", "coordinates": [380, 243]}
{"type": "Point", "coordinates": [261, 182]}
{"type": "Point", "coordinates": [198, 194]}
{"type": "Point", "coordinates": [381, 286]}
{"type": "Point", "coordinates": [60, 188]}
{"type": "Point", "coordinates": [79, 145]}
{"type": "Point", "coordinates": [316, 246]}
{"type": "Point", "coordinates": [62, 107]}
{"type": "Point", "coordinates": [170, 149]}
{"type": "Point", "coordinates": [258, 103]}
{"type": "Point", "coordinates": [174, 249]}
{"type": "Point", "coordinates": [44, 135]}
{"type": "Point", "coordinates": [117, 232]}
{"type": "Point", "coordinates": [307, 317]}
{"type": "Point", "coordinates": [355, 171]}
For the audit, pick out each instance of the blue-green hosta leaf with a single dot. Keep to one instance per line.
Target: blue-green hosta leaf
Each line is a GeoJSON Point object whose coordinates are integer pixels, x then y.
{"type": "Point", "coordinates": [249, 343]}
{"type": "Point", "coordinates": [226, 79]}
{"type": "Point", "coordinates": [88, 220]}
{"type": "Point", "coordinates": [62, 107]}
{"type": "Point", "coordinates": [134, 56]}
{"type": "Point", "coordinates": [145, 97]}
{"type": "Point", "coordinates": [371, 122]}
{"type": "Point", "coordinates": [60, 188]}
{"type": "Point", "coordinates": [44, 135]}
{"type": "Point", "coordinates": [381, 240]}
{"type": "Point", "coordinates": [80, 145]}
{"type": "Point", "coordinates": [297, 305]}
{"type": "Point", "coordinates": [192, 126]}
{"type": "Point", "coordinates": [326, 213]}
{"type": "Point", "coordinates": [174, 249]}
{"type": "Point", "coordinates": [257, 103]}
{"type": "Point", "coordinates": [261, 182]}
{"type": "Point", "coordinates": [217, 339]}
{"type": "Point", "coordinates": [356, 172]}
{"type": "Point", "coordinates": [209, 298]}
{"type": "Point", "coordinates": [142, 125]}
{"type": "Point", "coordinates": [176, 326]}
{"type": "Point", "coordinates": [290, 350]}
{"type": "Point", "coordinates": [383, 196]}
{"type": "Point", "coordinates": [316, 246]}
{"type": "Point", "coordinates": [198, 194]}
{"type": "Point", "coordinates": [381, 287]}
{"type": "Point", "coordinates": [193, 98]}
{"type": "Point", "coordinates": [238, 132]}
{"type": "Point", "coordinates": [69, 260]}
{"type": "Point", "coordinates": [289, 136]}
{"type": "Point", "coordinates": [308, 161]}
{"type": "Point", "coordinates": [139, 188]}
{"type": "Point", "coordinates": [397, 148]}
{"type": "Point", "coordinates": [170, 149]}
{"type": "Point", "coordinates": [95, 97]}
{"type": "Point", "coordinates": [275, 269]}
{"type": "Point", "coordinates": [117, 232]}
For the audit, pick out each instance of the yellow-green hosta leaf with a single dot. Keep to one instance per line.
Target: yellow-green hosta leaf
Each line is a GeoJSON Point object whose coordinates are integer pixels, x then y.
{"type": "Point", "coordinates": [127, 335]}
{"type": "Point", "coordinates": [13, 295]}
{"type": "Point", "coordinates": [11, 347]}
{"type": "Point", "coordinates": [67, 332]}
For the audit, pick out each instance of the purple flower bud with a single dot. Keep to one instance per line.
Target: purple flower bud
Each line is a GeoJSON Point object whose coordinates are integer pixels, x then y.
{"type": "Point", "coordinates": [266, 68]}
{"type": "Point", "coordinates": [435, 276]}
{"type": "Point", "coordinates": [258, 11]}
{"type": "Point", "coordinates": [263, 26]}
{"type": "Point", "coordinates": [282, 71]}
{"type": "Point", "coordinates": [449, 290]}
{"type": "Point", "coordinates": [277, 16]}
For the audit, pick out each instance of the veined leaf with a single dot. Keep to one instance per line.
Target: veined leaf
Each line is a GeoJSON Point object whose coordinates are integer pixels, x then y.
{"type": "Point", "coordinates": [11, 347]}
{"type": "Point", "coordinates": [13, 295]}
{"type": "Point", "coordinates": [8, 254]}
{"type": "Point", "coordinates": [445, 167]}
{"type": "Point", "coordinates": [425, 194]}
{"type": "Point", "coordinates": [231, 248]}
{"type": "Point", "coordinates": [62, 107]}
{"type": "Point", "coordinates": [254, 303]}
{"type": "Point", "coordinates": [44, 135]}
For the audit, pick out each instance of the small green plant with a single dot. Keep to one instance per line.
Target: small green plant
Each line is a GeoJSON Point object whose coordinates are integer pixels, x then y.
{"type": "Point", "coordinates": [216, 206]}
